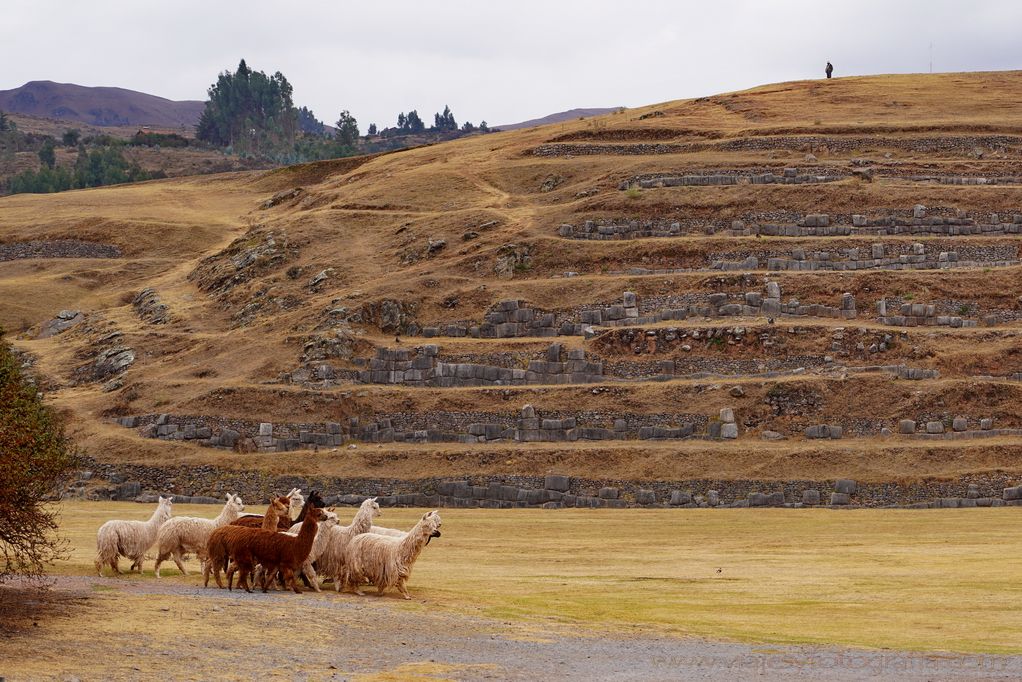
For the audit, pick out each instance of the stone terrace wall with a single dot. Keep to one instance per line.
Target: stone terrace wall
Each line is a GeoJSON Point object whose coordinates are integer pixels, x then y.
{"type": "Point", "coordinates": [918, 221]}
{"type": "Point", "coordinates": [920, 315]}
{"type": "Point", "coordinates": [209, 484]}
{"type": "Point", "coordinates": [627, 313]}
{"type": "Point", "coordinates": [789, 176]}
{"type": "Point", "coordinates": [527, 427]}
{"type": "Point", "coordinates": [441, 427]}
{"type": "Point", "coordinates": [966, 180]}
{"type": "Point", "coordinates": [877, 258]}
{"type": "Point", "coordinates": [421, 367]}
{"type": "Point", "coordinates": [820, 225]}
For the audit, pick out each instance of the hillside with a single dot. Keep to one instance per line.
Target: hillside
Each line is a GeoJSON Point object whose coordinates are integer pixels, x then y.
{"type": "Point", "coordinates": [836, 262]}
{"type": "Point", "coordinates": [559, 117]}
{"type": "Point", "coordinates": [99, 106]}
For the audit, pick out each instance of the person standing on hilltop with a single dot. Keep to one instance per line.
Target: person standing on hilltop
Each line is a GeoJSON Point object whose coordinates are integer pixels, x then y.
{"type": "Point", "coordinates": [829, 69]}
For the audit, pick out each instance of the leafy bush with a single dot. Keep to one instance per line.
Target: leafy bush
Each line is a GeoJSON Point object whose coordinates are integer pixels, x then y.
{"type": "Point", "coordinates": [37, 458]}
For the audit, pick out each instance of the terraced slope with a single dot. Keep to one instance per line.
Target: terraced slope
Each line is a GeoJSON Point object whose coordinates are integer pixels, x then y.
{"type": "Point", "coordinates": [763, 290]}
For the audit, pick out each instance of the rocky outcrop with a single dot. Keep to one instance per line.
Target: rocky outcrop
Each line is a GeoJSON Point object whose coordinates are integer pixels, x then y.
{"type": "Point", "coordinates": [150, 308]}
{"type": "Point", "coordinates": [64, 320]}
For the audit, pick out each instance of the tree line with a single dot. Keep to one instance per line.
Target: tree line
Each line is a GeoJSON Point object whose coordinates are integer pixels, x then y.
{"type": "Point", "coordinates": [247, 113]}
{"type": "Point", "coordinates": [251, 113]}
{"type": "Point", "coordinates": [99, 159]}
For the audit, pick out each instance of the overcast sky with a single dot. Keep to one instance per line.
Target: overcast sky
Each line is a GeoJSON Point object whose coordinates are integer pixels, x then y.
{"type": "Point", "coordinates": [526, 59]}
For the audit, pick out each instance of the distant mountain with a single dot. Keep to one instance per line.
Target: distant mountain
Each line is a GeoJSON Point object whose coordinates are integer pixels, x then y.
{"type": "Point", "coordinates": [569, 115]}
{"type": "Point", "coordinates": [99, 106]}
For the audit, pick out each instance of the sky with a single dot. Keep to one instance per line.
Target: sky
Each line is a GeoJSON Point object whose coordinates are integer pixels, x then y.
{"type": "Point", "coordinates": [501, 63]}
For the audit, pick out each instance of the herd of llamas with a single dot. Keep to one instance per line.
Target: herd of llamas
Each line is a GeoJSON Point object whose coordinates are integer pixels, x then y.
{"type": "Point", "coordinates": [295, 538]}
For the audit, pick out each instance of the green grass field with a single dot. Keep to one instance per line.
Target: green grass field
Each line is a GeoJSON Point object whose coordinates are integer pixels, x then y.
{"type": "Point", "coordinates": [918, 580]}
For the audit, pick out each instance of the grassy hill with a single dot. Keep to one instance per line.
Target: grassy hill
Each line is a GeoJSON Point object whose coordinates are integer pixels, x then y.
{"type": "Point", "coordinates": [281, 286]}
{"type": "Point", "coordinates": [99, 106]}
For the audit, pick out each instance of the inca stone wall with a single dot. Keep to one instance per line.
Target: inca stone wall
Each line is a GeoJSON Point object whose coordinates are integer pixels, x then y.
{"type": "Point", "coordinates": [421, 367]}
{"type": "Point", "coordinates": [921, 315]}
{"type": "Point", "coordinates": [916, 221]}
{"type": "Point", "coordinates": [789, 176]}
{"type": "Point", "coordinates": [627, 313]}
{"type": "Point", "coordinates": [208, 484]}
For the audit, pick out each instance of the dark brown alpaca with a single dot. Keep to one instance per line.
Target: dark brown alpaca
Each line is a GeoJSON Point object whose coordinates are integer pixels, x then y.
{"type": "Point", "coordinates": [275, 551]}
{"type": "Point", "coordinates": [218, 547]}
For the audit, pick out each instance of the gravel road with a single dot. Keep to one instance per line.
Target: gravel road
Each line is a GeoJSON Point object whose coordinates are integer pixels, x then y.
{"type": "Point", "coordinates": [347, 637]}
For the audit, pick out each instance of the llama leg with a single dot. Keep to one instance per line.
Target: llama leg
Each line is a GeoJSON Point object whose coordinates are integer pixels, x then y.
{"type": "Point", "coordinates": [230, 577]}
{"type": "Point", "coordinates": [114, 566]}
{"type": "Point", "coordinates": [99, 567]}
{"type": "Point", "coordinates": [265, 577]}
{"type": "Point", "coordinates": [402, 589]}
{"type": "Point", "coordinates": [243, 578]}
{"type": "Point", "coordinates": [160, 558]}
{"type": "Point", "coordinates": [310, 574]}
{"type": "Point", "coordinates": [289, 579]}
{"type": "Point", "coordinates": [178, 560]}
{"type": "Point", "coordinates": [380, 589]}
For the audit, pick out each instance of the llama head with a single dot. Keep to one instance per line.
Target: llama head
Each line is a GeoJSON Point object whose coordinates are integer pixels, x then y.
{"type": "Point", "coordinates": [372, 506]}
{"type": "Point", "coordinates": [297, 501]}
{"type": "Point", "coordinates": [315, 499]}
{"type": "Point", "coordinates": [431, 520]}
{"type": "Point", "coordinates": [234, 503]}
{"type": "Point", "coordinates": [279, 505]}
{"type": "Point", "coordinates": [330, 518]}
{"type": "Point", "coordinates": [165, 507]}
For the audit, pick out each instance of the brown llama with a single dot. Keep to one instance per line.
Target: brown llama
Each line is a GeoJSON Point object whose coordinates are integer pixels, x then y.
{"type": "Point", "coordinates": [274, 551]}
{"type": "Point", "coordinates": [222, 539]}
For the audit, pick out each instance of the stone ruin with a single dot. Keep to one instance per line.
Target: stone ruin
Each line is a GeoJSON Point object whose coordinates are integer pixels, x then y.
{"type": "Point", "coordinates": [789, 176]}
{"type": "Point", "coordinates": [877, 259]}
{"type": "Point", "coordinates": [627, 313]}
{"type": "Point", "coordinates": [810, 225]}
{"type": "Point", "coordinates": [507, 319]}
{"type": "Point", "coordinates": [920, 315]}
{"type": "Point", "coordinates": [960, 429]}
{"type": "Point", "coordinates": [421, 367]}
{"type": "Point", "coordinates": [820, 225]}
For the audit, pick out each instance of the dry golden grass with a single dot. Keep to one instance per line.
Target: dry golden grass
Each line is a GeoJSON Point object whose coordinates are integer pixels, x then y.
{"type": "Point", "coordinates": [915, 580]}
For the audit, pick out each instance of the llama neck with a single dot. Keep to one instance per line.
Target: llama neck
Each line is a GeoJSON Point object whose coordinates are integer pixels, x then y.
{"type": "Point", "coordinates": [412, 544]}
{"type": "Point", "coordinates": [157, 518]}
{"type": "Point", "coordinates": [363, 521]}
{"type": "Point", "coordinates": [227, 514]}
{"type": "Point", "coordinates": [270, 518]}
{"type": "Point", "coordinates": [307, 535]}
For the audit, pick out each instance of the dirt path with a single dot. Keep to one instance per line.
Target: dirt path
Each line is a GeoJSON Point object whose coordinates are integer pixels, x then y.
{"type": "Point", "coordinates": [134, 629]}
